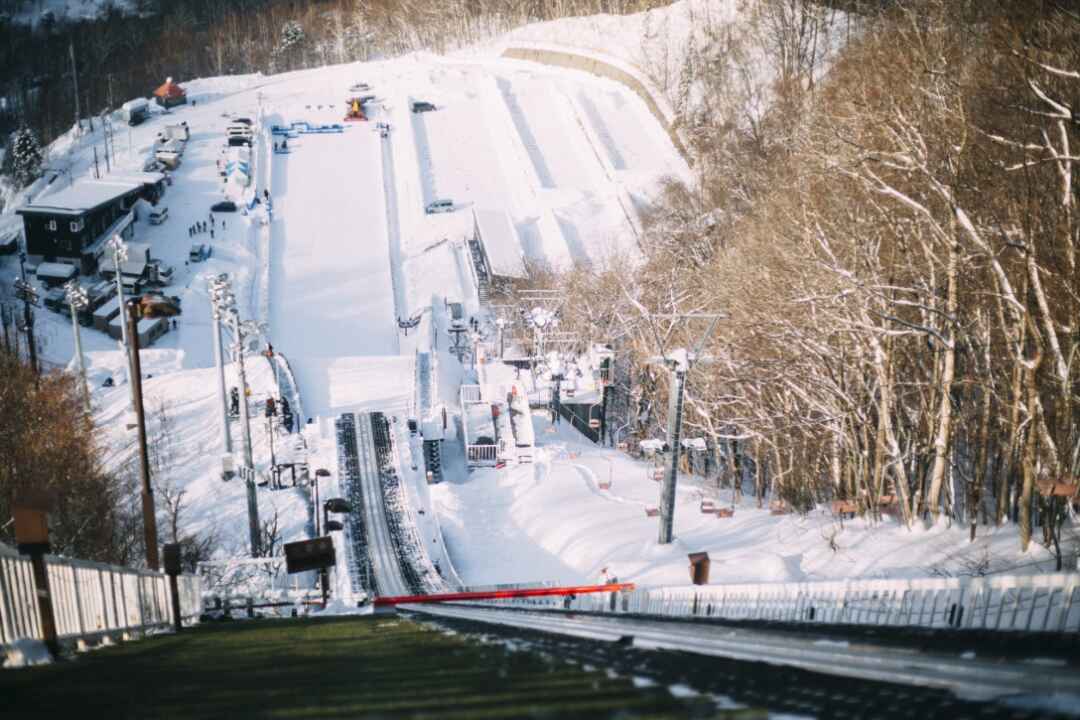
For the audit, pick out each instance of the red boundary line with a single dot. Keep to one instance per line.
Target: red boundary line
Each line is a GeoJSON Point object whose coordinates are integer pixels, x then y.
{"type": "Point", "coordinates": [504, 594]}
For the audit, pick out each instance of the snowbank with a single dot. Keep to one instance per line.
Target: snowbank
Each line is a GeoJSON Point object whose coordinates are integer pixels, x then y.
{"type": "Point", "coordinates": [26, 653]}
{"type": "Point", "coordinates": [553, 522]}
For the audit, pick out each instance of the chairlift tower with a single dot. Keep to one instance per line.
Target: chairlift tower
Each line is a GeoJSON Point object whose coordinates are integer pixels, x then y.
{"type": "Point", "coordinates": [679, 364]}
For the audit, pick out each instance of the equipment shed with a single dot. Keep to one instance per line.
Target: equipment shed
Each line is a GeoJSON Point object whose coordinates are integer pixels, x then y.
{"type": "Point", "coordinates": [501, 245]}
{"type": "Point", "coordinates": [104, 315]}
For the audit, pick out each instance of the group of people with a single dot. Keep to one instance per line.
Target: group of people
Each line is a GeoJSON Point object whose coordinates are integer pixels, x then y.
{"type": "Point", "coordinates": [203, 226]}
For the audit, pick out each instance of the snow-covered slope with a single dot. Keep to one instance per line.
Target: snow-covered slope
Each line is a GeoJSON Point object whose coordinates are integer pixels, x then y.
{"type": "Point", "coordinates": [351, 278]}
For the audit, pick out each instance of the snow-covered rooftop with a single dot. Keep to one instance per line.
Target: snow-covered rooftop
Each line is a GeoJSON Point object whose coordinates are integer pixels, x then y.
{"type": "Point", "coordinates": [84, 196]}
{"type": "Point", "coordinates": [501, 243]}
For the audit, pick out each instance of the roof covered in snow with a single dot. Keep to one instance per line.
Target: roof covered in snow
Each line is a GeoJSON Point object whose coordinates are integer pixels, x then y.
{"type": "Point", "coordinates": [169, 89]}
{"type": "Point", "coordinates": [501, 243]}
{"type": "Point", "coordinates": [83, 196]}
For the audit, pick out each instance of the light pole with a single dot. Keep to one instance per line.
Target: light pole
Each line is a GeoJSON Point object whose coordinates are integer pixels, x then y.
{"type": "Point", "coordinates": [219, 301]}
{"type": "Point", "coordinates": [77, 299]}
{"type": "Point", "coordinates": [119, 253]}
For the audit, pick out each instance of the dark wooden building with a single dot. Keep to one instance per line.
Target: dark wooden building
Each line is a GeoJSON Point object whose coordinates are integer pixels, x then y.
{"type": "Point", "coordinates": [70, 225]}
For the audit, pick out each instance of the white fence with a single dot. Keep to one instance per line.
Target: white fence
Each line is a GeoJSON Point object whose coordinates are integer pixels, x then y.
{"type": "Point", "coordinates": [476, 454]}
{"type": "Point", "coordinates": [89, 600]}
{"type": "Point", "coordinates": [471, 394]}
{"type": "Point", "coordinates": [1049, 603]}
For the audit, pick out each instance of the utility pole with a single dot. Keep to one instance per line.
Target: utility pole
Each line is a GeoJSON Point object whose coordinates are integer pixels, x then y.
{"type": "Point", "coordinates": [149, 516]}
{"type": "Point", "coordinates": [5, 321]}
{"type": "Point", "coordinates": [679, 364]}
{"type": "Point", "coordinates": [97, 172]}
{"type": "Point", "coordinates": [219, 300]}
{"type": "Point", "coordinates": [77, 299]}
{"type": "Point", "coordinates": [26, 292]}
{"type": "Point", "coordinates": [75, 77]}
{"type": "Point", "coordinates": [105, 143]}
{"type": "Point", "coordinates": [249, 464]}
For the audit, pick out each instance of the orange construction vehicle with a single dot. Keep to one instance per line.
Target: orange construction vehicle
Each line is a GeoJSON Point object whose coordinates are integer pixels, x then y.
{"type": "Point", "coordinates": [355, 110]}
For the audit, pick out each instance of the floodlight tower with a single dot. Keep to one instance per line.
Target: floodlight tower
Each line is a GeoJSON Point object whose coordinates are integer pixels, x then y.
{"type": "Point", "coordinates": [119, 252]}
{"type": "Point", "coordinates": [77, 300]}
{"type": "Point", "coordinates": [219, 301]}
{"type": "Point", "coordinates": [678, 363]}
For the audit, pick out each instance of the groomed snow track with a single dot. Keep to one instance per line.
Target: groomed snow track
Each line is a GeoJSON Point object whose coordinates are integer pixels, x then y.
{"type": "Point", "coordinates": [386, 555]}
{"type": "Point", "coordinates": [413, 559]}
{"type": "Point", "coordinates": [356, 545]}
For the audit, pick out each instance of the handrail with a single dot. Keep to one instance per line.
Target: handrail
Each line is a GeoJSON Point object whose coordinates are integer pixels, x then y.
{"type": "Point", "coordinates": [562, 592]}
{"type": "Point", "coordinates": [1033, 603]}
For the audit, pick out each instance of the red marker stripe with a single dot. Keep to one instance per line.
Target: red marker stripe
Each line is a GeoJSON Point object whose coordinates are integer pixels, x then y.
{"type": "Point", "coordinates": [504, 594]}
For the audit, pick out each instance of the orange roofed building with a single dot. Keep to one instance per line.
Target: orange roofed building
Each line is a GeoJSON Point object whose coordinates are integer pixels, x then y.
{"type": "Point", "coordinates": [170, 94]}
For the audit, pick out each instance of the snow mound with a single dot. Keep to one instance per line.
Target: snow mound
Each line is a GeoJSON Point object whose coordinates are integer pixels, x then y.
{"type": "Point", "coordinates": [26, 653]}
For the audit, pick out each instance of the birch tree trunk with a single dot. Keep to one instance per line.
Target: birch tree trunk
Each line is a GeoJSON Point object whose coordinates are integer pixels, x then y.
{"type": "Point", "coordinates": [943, 436]}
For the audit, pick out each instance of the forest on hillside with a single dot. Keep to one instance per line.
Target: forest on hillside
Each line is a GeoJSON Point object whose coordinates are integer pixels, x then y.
{"type": "Point", "coordinates": [890, 231]}
{"type": "Point", "coordinates": [122, 55]}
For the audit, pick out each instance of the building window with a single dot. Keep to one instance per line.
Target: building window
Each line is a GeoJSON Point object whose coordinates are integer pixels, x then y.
{"type": "Point", "coordinates": [76, 226]}
{"type": "Point", "coordinates": [52, 225]}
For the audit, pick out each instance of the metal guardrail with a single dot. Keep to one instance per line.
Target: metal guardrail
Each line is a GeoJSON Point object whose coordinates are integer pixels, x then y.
{"type": "Point", "coordinates": [89, 599]}
{"type": "Point", "coordinates": [1034, 603]}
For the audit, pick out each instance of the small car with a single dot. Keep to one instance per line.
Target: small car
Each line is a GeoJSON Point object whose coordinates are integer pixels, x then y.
{"type": "Point", "coordinates": [159, 215]}
{"type": "Point", "coordinates": [442, 205]}
{"type": "Point", "coordinates": [359, 87]}
{"type": "Point", "coordinates": [419, 106]}
{"type": "Point", "coordinates": [199, 252]}
{"type": "Point", "coordinates": [224, 206]}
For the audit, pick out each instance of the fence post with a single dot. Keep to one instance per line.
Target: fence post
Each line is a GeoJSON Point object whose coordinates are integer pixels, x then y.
{"type": "Point", "coordinates": [172, 569]}
{"type": "Point", "coordinates": [44, 599]}
{"type": "Point", "coordinates": [32, 537]}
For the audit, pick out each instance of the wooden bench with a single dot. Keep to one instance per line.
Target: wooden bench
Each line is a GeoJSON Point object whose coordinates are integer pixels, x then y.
{"type": "Point", "coordinates": [725, 512]}
{"type": "Point", "coordinates": [1057, 489]}
{"type": "Point", "coordinates": [605, 484]}
{"type": "Point", "coordinates": [652, 511]}
{"type": "Point", "coordinates": [707, 506]}
{"type": "Point", "coordinates": [779, 507]}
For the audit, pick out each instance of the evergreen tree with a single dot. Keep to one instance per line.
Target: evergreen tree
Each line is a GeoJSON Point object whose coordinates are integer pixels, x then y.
{"type": "Point", "coordinates": [292, 35]}
{"type": "Point", "coordinates": [25, 156]}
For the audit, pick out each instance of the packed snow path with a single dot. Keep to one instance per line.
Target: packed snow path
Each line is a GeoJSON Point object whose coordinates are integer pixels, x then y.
{"type": "Point", "coordinates": [330, 262]}
{"type": "Point", "coordinates": [383, 559]}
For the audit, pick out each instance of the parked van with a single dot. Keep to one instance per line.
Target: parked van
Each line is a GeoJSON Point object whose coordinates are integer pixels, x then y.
{"type": "Point", "coordinates": [442, 205]}
{"type": "Point", "coordinates": [159, 215]}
